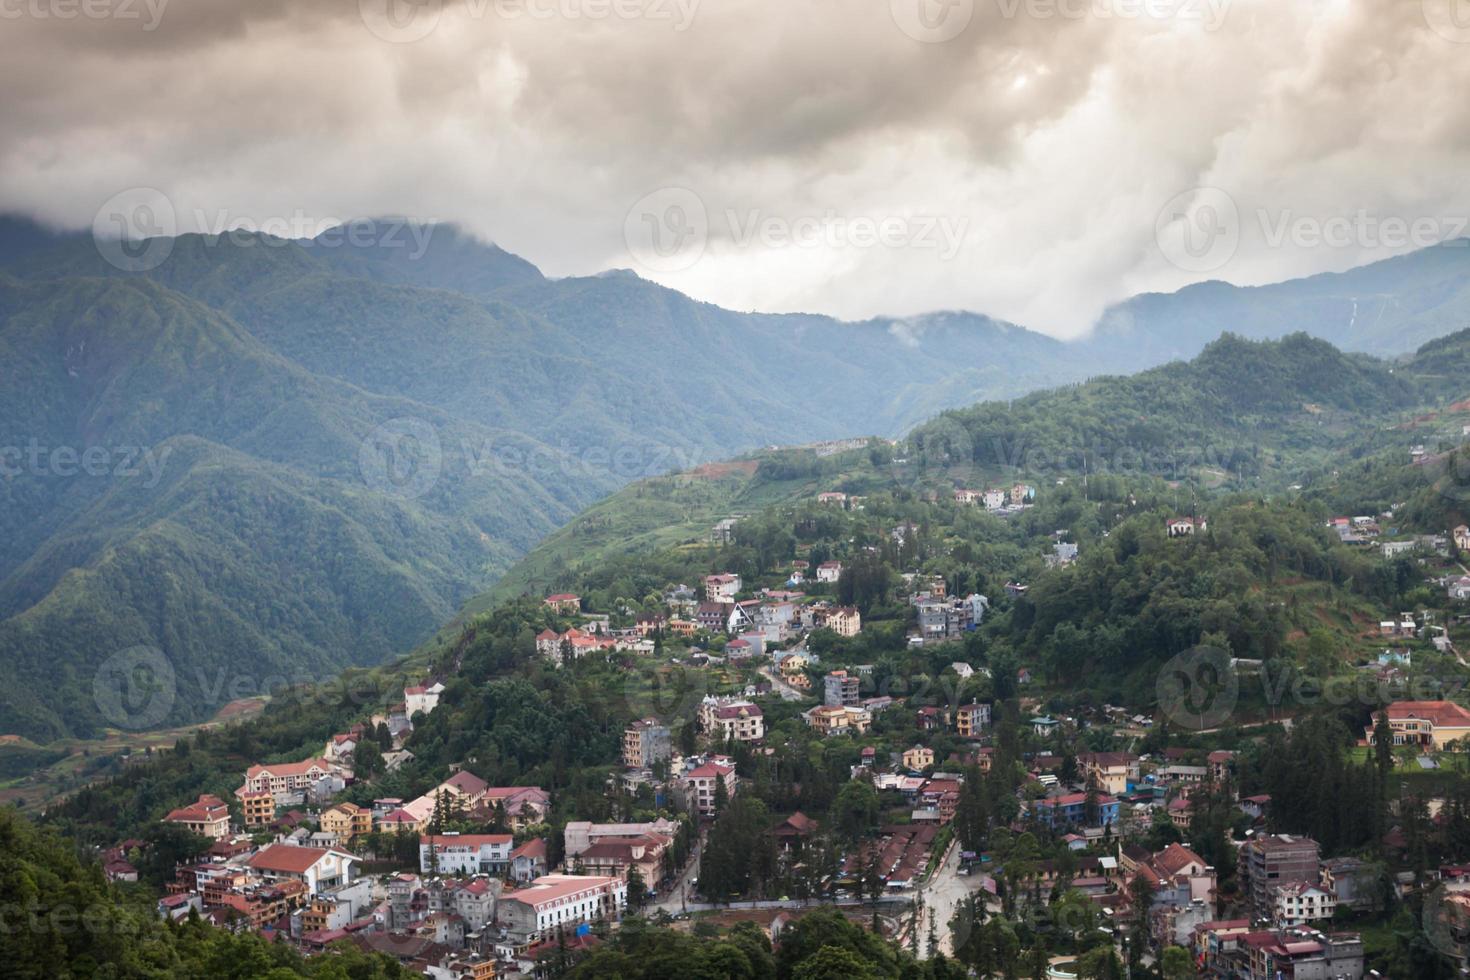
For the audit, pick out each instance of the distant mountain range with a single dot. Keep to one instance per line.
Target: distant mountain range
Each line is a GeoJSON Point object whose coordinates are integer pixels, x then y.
{"type": "Point", "coordinates": [348, 440]}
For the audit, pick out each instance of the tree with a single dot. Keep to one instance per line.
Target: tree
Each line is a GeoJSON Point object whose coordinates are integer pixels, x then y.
{"type": "Point", "coordinates": [1175, 963]}
{"type": "Point", "coordinates": [637, 889]}
{"type": "Point", "coordinates": [1101, 963]}
{"type": "Point", "coordinates": [833, 963]}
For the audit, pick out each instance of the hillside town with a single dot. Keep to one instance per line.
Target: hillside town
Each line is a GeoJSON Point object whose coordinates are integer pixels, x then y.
{"type": "Point", "coordinates": [971, 799]}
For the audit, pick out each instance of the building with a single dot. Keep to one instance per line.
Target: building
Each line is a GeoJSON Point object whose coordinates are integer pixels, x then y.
{"type": "Point", "coordinates": [565, 603]}
{"type": "Point", "coordinates": [1301, 902]}
{"type": "Point", "coordinates": [829, 571]}
{"type": "Point", "coordinates": [646, 742]}
{"type": "Point", "coordinates": [529, 860]}
{"type": "Point", "coordinates": [1111, 772]}
{"type": "Point", "coordinates": [1427, 724]}
{"type": "Point", "coordinates": [972, 719]}
{"type": "Point", "coordinates": [845, 621]}
{"type": "Point", "coordinates": [1266, 863]}
{"type": "Point", "coordinates": [422, 698]}
{"type": "Point", "coordinates": [700, 786]}
{"type": "Point", "coordinates": [918, 757]}
{"type": "Point", "coordinates": [724, 719]}
{"type": "Point", "coordinates": [535, 912]}
{"type": "Point", "coordinates": [1182, 527]}
{"type": "Point", "coordinates": [208, 816]}
{"type": "Point", "coordinates": [840, 688]}
{"type": "Point", "coordinates": [721, 588]}
{"type": "Point", "coordinates": [317, 868]}
{"type": "Point", "coordinates": [618, 856]}
{"type": "Point", "coordinates": [837, 720]}
{"type": "Point", "coordinates": [1070, 809]}
{"type": "Point", "coordinates": [347, 820]}
{"type": "Point", "coordinates": [257, 809]}
{"type": "Point", "coordinates": [285, 778]}
{"type": "Point", "coordinates": [465, 854]}
{"type": "Point", "coordinates": [578, 835]}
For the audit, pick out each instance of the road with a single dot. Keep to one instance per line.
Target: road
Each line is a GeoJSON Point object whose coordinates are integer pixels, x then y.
{"type": "Point", "coordinates": [679, 896]}
{"type": "Point", "coordinates": [787, 692]}
{"type": "Point", "coordinates": [942, 895]}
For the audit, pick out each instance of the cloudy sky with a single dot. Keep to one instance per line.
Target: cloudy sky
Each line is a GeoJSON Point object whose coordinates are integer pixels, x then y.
{"type": "Point", "coordinates": [1032, 159]}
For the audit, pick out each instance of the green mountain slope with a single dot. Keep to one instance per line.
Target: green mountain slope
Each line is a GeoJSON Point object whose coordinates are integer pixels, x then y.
{"type": "Point", "coordinates": [231, 523]}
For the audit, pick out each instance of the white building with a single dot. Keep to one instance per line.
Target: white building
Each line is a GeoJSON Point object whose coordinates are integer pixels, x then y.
{"type": "Point", "coordinates": [534, 912]}
{"type": "Point", "coordinates": [422, 698]}
{"type": "Point", "coordinates": [318, 868]}
{"type": "Point", "coordinates": [465, 854]}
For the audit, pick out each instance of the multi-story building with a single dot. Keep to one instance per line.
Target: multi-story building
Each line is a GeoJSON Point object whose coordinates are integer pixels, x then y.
{"type": "Point", "coordinates": [646, 742]}
{"type": "Point", "coordinates": [700, 786]}
{"type": "Point", "coordinates": [838, 720]}
{"type": "Point", "coordinates": [258, 809]}
{"type": "Point", "coordinates": [1427, 724]}
{"type": "Point", "coordinates": [1070, 809]}
{"type": "Point", "coordinates": [840, 688]}
{"type": "Point", "coordinates": [731, 718]}
{"type": "Point", "coordinates": [620, 855]}
{"type": "Point", "coordinates": [1301, 902]}
{"type": "Point", "coordinates": [465, 854]}
{"type": "Point", "coordinates": [844, 621]}
{"type": "Point", "coordinates": [284, 778]}
{"type": "Point", "coordinates": [1110, 771]}
{"type": "Point", "coordinates": [208, 816]}
{"type": "Point", "coordinates": [971, 719]}
{"type": "Point", "coordinates": [918, 757]}
{"type": "Point", "coordinates": [347, 820]}
{"type": "Point", "coordinates": [721, 588]}
{"type": "Point", "coordinates": [533, 913]}
{"type": "Point", "coordinates": [1266, 863]}
{"type": "Point", "coordinates": [316, 868]}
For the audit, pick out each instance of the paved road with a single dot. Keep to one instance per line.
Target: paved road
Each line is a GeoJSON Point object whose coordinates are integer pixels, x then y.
{"type": "Point", "coordinates": [942, 895]}
{"type": "Point", "coordinates": [679, 896]}
{"type": "Point", "coordinates": [787, 692]}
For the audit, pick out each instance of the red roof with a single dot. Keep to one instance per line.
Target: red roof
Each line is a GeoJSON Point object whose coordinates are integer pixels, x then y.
{"type": "Point", "coordinates": [467, 840]}
{"type": "Point", "coordinates": [710, 770]}
{"type": "Point", "coordinates": [1445, 714]}
{"type": "Point", "coordinates": [287, 858]}
{"type": "Point", "coordinates": [564, 597]}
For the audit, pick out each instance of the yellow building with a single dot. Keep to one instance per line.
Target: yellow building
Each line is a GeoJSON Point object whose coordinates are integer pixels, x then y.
{"type": "Point", "coordinates": [918, 757]}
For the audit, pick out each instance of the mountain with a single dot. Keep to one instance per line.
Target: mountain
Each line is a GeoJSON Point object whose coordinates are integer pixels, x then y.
{"type": "Point", "coordinates": [269, 369]}
{"type": "Point", "coordinates": [1385, 308]}
{"type": "Point", "coordinates": [171, 483]}
{"type": "Point", "coordinates": [1246, 415]}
